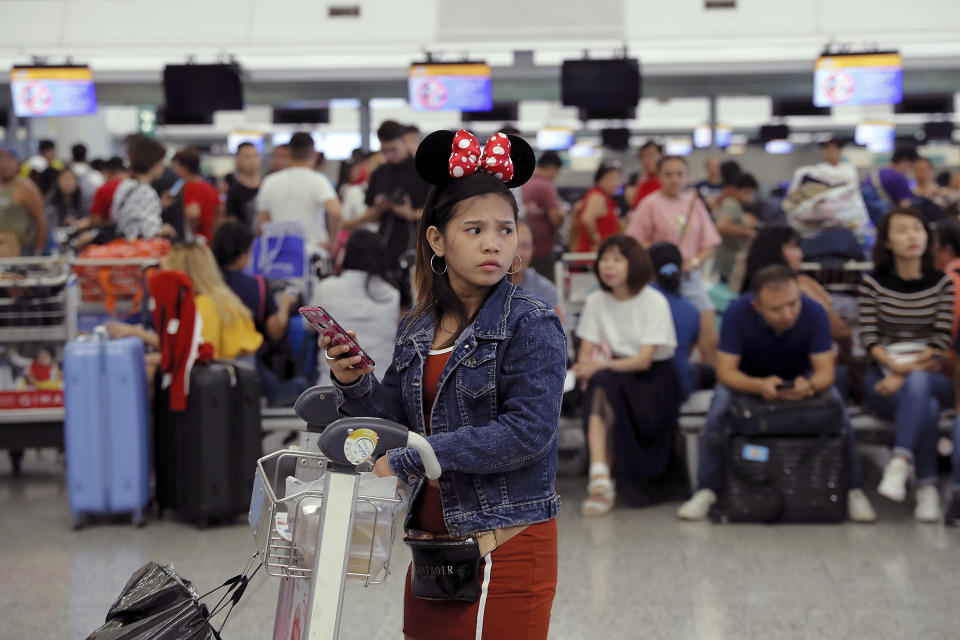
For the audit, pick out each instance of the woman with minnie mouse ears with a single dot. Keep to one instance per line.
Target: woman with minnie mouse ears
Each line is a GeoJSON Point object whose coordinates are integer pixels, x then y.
{"type": "Point", "coordinates": [478, 368]}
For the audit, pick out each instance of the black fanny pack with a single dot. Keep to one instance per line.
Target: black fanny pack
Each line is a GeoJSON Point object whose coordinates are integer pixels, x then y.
{"type": "Point", "coordinates": [444, 568]}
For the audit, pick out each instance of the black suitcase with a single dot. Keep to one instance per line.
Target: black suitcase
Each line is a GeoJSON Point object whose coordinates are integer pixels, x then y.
{"type": "Point", "coordinates": [784, 462]}
{"type": "Point", "coordinates": [205, 457]}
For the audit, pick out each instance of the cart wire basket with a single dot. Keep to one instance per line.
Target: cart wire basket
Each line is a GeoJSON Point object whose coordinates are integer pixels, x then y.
{"type": "Point", "coordinates": [285, 515]}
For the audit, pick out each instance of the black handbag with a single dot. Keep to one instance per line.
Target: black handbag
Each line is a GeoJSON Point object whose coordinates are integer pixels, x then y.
{"type": "Point", "coordinates": [753, 415]}
{"type": "Point", "coordinates": [444, 568]}
{"type": "Point", "coordinates": [783, 461]}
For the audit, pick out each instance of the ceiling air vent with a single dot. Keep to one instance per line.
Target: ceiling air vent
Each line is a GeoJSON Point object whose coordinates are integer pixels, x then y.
{"type": "Point", "coordinates": [719, 4]}
{"type": "Point", "coordinates": [344, 11]}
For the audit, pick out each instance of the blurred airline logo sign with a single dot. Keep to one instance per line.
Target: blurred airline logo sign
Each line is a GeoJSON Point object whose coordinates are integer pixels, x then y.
{"type": "Point", "coordinates": [858, 79]}
{"type": "Point", "coordinates": [52, 91]}
{"type": "Point", "coordinates": [147, 120]}
{"type": "Point", "coordinates": [450, 87]}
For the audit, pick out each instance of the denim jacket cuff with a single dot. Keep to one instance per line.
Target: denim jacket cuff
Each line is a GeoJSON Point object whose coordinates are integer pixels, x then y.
{"type": "Point", "coordinates": [406, 464]}
{"type": "Point", "coordinates": [356, 390]}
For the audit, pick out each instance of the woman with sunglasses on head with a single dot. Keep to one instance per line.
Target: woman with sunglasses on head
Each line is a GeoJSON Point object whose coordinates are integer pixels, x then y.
{"type": "Point", "coordinates": [478, 369]}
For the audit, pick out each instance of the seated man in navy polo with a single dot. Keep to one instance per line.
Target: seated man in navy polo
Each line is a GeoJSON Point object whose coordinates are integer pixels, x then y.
{"type": "Point", "coordinates": [769, 337]}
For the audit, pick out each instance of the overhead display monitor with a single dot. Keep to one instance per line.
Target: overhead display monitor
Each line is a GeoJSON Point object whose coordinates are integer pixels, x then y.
{"type": "Point", "coordinates": [237, 138]}
{"type": "Point", "coordinates": [600, 84]}
{"type": "Point", "coordinates": [877, 137]}
{"type": "Point", "coordinates": [724, 134]}
{"type": "Point", "coordinates": [857, 79]}
{"type": "Point", "coordinates": [702, 136]}
{"type": "Point", "coordinates": [461, 86]}
{"type": "Point", "coordinates": [555, 139]}
{"type": "Point", "coordinates": [200, 89]}
{"type": "Point", "coordinates": [52, 91]}
{"type": "Point", "coordinates": [616, 139]}
{"type": "Point", "coordinates": [779, 146]}
{"type": "Point", "coordinates": [678, 146]}
{"type": "Point", "coordinates": [501, 112]}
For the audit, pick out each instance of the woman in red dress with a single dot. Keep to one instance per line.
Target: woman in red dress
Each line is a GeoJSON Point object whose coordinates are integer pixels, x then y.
{"type": "Point", "coordinates": [598, 216]}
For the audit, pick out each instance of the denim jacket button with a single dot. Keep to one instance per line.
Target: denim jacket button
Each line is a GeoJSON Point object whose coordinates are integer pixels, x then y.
{"type": "Point", "coordinates": [472, 362]}
{"type": "Point", "coordinates": [411, 479]}
{"type": "Point", "coordinates": [414, 384]}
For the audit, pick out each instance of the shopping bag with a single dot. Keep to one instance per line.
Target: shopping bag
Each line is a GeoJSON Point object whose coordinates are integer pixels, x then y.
{"type": "Point", "coordinates": [158, 604]}
{"type": "Point", "coordinates": [280, 252]}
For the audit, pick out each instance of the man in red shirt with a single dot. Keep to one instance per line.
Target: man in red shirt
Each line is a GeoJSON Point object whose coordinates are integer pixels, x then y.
{"type": "Point", "coordinates": [649, 156]}
{"type": "Point", "coordinates": [114, 172]}
{"type": "Point", "coordinates": [201, 200]}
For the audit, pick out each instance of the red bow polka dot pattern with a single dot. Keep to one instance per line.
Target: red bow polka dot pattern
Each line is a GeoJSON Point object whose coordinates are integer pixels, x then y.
{"type": "Point", "coordinates": [496, 157]}
{"type": "Point", "coordinates": [466, 157]}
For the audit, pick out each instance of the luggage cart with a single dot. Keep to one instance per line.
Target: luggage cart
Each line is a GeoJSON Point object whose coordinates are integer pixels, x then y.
{"type": "Point", "coordinates": [38, 302]}
{"type": "Point", "coordinates": [314, 539]}
{"type": "Point", "coordinates": [111, 289]}
{"type": "Point", "coordinates": [574, 277]}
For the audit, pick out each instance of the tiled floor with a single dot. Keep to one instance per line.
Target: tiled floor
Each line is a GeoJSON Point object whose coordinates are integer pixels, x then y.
{"type": "Point", "coordinates": [634, 574]}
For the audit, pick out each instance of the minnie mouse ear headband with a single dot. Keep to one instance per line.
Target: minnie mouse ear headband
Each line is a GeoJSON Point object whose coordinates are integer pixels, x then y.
{"type": "Point", "coordinates": [444, 156]}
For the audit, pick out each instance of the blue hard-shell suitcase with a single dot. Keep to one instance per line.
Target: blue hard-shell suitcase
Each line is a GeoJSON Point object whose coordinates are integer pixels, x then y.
{"type": "Point", "coordinates": [106, 429]}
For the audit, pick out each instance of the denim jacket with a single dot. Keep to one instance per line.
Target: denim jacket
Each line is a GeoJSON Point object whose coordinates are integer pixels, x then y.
{"type": "Point", "coordinates": [495, 419]}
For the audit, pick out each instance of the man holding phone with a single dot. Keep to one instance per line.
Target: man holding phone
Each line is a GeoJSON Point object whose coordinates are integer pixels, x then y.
{"type": "Point", "coordinates": [395, 198]}
{"type": "Point", "coordinates": [775, 342]}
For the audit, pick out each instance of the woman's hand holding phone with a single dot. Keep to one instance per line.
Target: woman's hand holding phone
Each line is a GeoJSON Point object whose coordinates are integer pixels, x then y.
{"type": "Point", "coordinates": [343, 368]}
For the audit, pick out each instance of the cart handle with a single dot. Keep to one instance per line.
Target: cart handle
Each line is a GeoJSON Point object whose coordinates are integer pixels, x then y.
{"type": "Point", "coordinates": [350, 441]}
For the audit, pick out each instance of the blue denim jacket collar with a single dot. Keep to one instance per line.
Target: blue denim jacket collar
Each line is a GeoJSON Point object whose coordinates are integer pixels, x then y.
{"type": "Point", "coordinates": [490, 323]}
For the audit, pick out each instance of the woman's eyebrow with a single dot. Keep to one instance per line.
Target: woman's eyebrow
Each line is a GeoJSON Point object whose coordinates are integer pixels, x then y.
{"type": "Point", "coordinates": [504, 221]}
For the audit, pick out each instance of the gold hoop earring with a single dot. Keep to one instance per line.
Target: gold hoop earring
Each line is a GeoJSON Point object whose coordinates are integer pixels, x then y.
{"type": "Point", "coordinates": [516, 256]}
{"type": "Point", "coordinates": [434, 268]}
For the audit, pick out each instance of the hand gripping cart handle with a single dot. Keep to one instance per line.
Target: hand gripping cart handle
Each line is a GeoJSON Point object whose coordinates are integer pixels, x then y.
{"type": "Point", "coordinates": [316, 537]}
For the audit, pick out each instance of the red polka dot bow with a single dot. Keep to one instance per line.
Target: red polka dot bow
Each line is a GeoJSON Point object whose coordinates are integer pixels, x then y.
{"type": "Point", "coordinates": [466, 157]}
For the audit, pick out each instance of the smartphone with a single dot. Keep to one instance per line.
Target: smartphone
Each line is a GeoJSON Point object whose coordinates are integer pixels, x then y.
{"type": "Point", "coordinates": [785, 385]}
{"type": "Point", "coordinates": [327, 326]}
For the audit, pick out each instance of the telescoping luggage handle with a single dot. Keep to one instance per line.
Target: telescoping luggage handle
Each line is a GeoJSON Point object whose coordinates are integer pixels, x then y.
{"type": "Point", "coordinates": [350, 441]}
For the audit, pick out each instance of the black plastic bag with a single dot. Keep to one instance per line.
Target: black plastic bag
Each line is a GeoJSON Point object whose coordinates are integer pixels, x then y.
{"type": "Point", "coordinates": [157, 604]}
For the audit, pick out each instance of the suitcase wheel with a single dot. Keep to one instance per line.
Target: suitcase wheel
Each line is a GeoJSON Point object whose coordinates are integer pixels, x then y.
{"type": "Point", "coordinates": [79, 521]}
{"type": "Point", "coordinates": [138, 520]}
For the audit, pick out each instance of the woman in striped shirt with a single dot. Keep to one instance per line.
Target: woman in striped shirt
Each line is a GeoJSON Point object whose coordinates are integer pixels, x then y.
{"type": "Point", "coordinates": [906, 317]}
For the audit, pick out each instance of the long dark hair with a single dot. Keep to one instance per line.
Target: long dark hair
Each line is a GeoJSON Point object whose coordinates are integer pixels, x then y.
{"type": "Point", "coordinates": [433, 289]}
{"type": "Point", "coordinates": [73, 204]}
{"type": "Point", "coordinates": [366, 251]}
{"type": "Point", "coordinates": [883, 260]}
{"type": "Point", "coordinates": [767, 249]}
{"type": "Point", "coordinates": [667, 266]}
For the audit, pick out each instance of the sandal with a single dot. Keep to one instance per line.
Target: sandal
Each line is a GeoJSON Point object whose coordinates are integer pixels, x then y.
{"type": "Point", "coordinates": [600, 496]}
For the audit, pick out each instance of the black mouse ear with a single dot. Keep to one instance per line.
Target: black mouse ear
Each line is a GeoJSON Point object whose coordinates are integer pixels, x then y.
{"type": "Point", "coordinates": [524, 161]}
{"type": "Point", "coordinates": [433, 157]}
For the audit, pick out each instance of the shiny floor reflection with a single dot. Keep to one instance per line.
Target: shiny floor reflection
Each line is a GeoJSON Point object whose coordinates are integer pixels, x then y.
{"type": "Point", "coordinates": [634, 574]}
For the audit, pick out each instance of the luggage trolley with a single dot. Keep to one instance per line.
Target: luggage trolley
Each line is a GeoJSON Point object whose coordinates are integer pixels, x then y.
{"type": "Point", "coordinates": [38, 301]}
{"type": "Point", "coordinates": [112, 289]}
{"type": "Point", "coordinates": [313, 524]}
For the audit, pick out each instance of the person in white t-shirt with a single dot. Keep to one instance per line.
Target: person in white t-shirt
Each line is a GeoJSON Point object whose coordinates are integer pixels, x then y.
{"type": "Point", "coordinates": [633, 394]}
{"type": "Point", "coordinates": [300, 194]}
{"type": "Point", "coordinates": [833, 170]}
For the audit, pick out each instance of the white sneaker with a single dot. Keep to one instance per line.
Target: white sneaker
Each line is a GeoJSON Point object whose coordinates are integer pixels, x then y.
{"type": "Point", "coordinates": [928, 504]}
{"type": "Point", "coordinates": [697, 507]}
{"type": "Point", "coordinates": [894, 483]}
{"type": "Point", "coordinates": [859, 508]}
